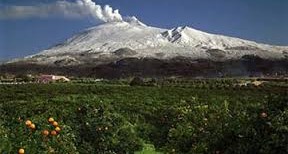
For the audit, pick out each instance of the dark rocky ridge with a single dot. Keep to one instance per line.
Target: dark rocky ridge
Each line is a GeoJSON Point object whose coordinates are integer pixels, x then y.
{"type": "Point", "coordinates": [150, 67]}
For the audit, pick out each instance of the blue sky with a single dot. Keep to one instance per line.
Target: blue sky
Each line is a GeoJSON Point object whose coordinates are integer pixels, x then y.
{"type": "Point", "coordinates": [259, 20]}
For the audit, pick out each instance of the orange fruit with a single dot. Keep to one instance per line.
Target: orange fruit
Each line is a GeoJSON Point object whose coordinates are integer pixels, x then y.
{"type": "Point", "coordinates": [45, 132]}
{"type": "Point", "coordinates": [51, 120]}
{"type": "Point", "coordinates": [32, 126]}
{"type": "Point", "coordinates": [264, 115]}
{"type": "Point", "coordinates": [53, 133]}
{"type": "Point", "coordinates": [28, 122]}
{"type": "Point", "coordinates": [58, 129]}
{"type": "Point", "coordinates": [21, 151]}
{"type": "Point", "coordinates": [55, 123]}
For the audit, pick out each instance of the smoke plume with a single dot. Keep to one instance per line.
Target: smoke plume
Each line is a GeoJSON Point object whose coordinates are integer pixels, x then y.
{"type": "Point", "coordinates": [77, 9]}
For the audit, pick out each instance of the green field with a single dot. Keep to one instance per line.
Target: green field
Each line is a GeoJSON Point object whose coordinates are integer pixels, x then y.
{"type": "Point", "coordinates": [180, 117]}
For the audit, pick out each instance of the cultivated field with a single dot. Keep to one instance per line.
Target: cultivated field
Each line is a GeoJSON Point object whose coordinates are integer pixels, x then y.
{"type": "Point", "coordinates": [171, 116]}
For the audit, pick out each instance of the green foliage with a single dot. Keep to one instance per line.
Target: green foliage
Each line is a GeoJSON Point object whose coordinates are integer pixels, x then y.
{"type": "Point", "coordinates": [172, 118]}
{"type": "Point", "coordinates": [137, 81]}
{"type": "Point", "coordinates": [148, 149]}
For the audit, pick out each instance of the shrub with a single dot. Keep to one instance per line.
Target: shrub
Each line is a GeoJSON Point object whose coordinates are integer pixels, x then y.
{"type": "Point", "coordinates": [137, 81]}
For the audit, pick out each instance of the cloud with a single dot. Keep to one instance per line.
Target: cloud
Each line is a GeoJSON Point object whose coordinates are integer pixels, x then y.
{"type": "Point", "coordinates": [77, 9]}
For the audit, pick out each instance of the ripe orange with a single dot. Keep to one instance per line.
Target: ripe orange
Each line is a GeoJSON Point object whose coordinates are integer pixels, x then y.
{"type": "Point", "coordinates": [53, 133]}
{"type": "Point", "coordinates": [28, 122]}
{"type": "Point", "coordinates": [264, 115]}
{"type": "Point", "coordinates": [58, 129]}
{"type": "Point", "coordinates": [51, 120]}
{"type": "Point", "coordinates": [21, 151]}
{"type": "Point", "coordinates": [45, 132]}
{"type": "Point", "coordinates": [32, 126]}
{"type": "Point", "coordinates": [55, 123]}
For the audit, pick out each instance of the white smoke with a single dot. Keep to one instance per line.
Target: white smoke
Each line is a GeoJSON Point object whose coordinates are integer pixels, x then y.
{"type": "Point", "coordinates": [77, 9]}
{"type": "Point", "coordinates": [105, 14]}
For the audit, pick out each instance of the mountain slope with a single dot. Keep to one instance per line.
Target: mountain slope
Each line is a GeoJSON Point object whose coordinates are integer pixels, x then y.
{"type": "Point", "coordinates": [129, 48]}
{"type": "Point", "coordinates": [109, 37]}
{"type": "Point", "coordinates": [101, 42]}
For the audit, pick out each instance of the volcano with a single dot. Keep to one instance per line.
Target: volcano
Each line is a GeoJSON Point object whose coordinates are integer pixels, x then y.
{"type": "Point", "coordinates": [130, 47]}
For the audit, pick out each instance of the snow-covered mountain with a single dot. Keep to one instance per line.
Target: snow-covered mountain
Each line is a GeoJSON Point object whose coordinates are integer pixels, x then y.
{"type": "Point", "coordinates": [132, 38]}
